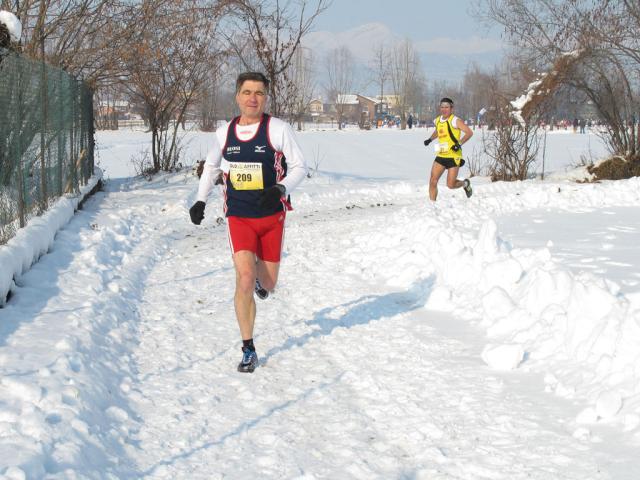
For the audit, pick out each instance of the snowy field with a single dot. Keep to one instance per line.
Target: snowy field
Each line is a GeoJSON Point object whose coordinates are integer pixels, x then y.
{"type": "Point", "coordinates": [489, 338]}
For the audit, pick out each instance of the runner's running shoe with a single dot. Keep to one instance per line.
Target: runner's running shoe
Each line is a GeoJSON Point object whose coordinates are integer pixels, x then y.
{"type": "Point", "coordinates": [467, 188]}
{"type": "Point", "coordinates": [260, 292]}
{"type": "Point", "coordinates": [249, 361]}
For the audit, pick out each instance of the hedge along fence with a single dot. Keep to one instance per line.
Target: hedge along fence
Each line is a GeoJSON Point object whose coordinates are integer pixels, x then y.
{"type": "Point", "coordinates": [46, 138]}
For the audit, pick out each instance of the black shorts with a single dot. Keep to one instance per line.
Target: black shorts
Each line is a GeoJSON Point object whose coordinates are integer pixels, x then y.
{"type": "Point", "coordinates": [449, 162]}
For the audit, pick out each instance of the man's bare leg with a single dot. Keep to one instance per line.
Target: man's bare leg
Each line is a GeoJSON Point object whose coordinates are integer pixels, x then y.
{"type": "Point", "coordinates": [267, 274]}
{"type": "Point", "coordinates": [245, 265]}
{"type": "Point", "coordinates": [436, 172]}
{"type": "Point", "coordinates": [452, 178]}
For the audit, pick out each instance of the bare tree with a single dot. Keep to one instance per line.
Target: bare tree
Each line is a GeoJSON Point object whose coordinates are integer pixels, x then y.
{"type": "Point", "coordinates": [511, 146]}
{"type": "Point", "coordinates": [476, 86]}
{"type": "Point", "coordinates": [208, 102]}
{"type": "Point", "coordinates": [167, 66]}
{"type": "Point", "coordinates": [271, 33]}
{"type": "Point", "coordinates": [514, 142]}
{"type": "Point", "coordinates": [302, 85]}
{"type": "Point", "coordinates": [380, 67]}
{"type": "Point", "coordinates": [404, 77]}
{"type": "Point", "coordinates": [84, 37]}
{"type": "Point", "coordinates": [106, 104]}
{"type": "Point", "coordinates": [605, 35]}
{"type": "Point", "coordinates": [340, 74]}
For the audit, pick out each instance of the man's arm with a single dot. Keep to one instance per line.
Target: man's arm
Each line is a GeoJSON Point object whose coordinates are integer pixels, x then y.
{"type": "Point", "coordinates": [296, 165]}
{"type": "Point", "coordinates": [211, 169]}
{"type": "Point", "coordinates": [468, 133]}
{"type": "Point", "coordinates": [433, 136]}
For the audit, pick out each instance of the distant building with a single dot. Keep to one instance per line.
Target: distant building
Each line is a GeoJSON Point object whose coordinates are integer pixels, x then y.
{"type": "Point", "coordinates": [119, 109]}
{"type": "Point", "coordinates": [316, 108]}
{"type": "Point", "coordinates": [367, 111]}
{"type": "Point", "coordinates": [357, 109]}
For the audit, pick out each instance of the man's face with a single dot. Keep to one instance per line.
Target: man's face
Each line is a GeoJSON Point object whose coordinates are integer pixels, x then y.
{"type": "Point", "coordinates": [252, 99]}
{"type": "Point", "coordinates": [445, 109]}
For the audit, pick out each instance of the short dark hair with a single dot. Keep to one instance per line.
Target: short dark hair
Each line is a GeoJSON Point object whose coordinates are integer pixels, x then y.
{"type": "Point", "coordinates": [254, 76]}
{"type": "Point", "coordinates": [447, 100]}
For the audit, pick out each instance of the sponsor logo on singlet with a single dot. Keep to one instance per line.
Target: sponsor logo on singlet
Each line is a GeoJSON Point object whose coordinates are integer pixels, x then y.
{"type": "Point", "coordinates": [235, 149]}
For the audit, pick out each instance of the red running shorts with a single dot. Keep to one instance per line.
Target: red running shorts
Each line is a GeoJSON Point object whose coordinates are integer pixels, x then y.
{"type": "Point", "coordinates": [262, 236]}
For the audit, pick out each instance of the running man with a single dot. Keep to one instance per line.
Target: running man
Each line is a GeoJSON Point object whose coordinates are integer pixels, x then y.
{"type": "Point", "coordinates": [258, 163]}
{"type": "Point", "coordinates": [448, 149]}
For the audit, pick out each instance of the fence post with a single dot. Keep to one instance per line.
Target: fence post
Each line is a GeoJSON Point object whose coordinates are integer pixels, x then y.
{"type": "Point", "coordinates": [72, 158]}
{"type": "Point", "coordinates": [17, 156]}
{"type": "Point", "coordinates": [61, 136]}
{"type": "Point", "coordinates": [43, 126]}
{"type": "Point", "coordinates": [92, 131]}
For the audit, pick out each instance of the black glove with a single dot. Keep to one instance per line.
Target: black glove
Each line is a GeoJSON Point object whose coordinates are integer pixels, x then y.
{"type": "Point", "coordinates": [219, 180]}
{"type": "Point", "coordinates": [427, 142]}
{"type": "Point", "coordinates": [197, 212]}
{"type": "Point", "coordinates": [270, 197]}
{"type": "Point", "coordinates": [456, 147]}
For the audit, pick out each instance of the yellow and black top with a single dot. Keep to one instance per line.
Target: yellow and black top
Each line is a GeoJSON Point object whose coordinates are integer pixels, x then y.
{"type": "Point", "coordinates": [446, 131]}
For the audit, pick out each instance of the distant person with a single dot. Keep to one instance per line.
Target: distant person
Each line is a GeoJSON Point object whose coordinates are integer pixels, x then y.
{"type": "Point", "coordinates": [410, 121]}
{"type": "Point", "coordinates": [582, 125]}
{"type": "Point", "coordinates": [258, 161]}
{"type": "Point", "coordinates": [575, 125]}
{"type": "Point", "coordinates": [448, 150]}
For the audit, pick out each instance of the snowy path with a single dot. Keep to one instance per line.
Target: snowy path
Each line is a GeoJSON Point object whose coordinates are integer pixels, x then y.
{"type": "Point", "coordinates": [356, 381]}
{"type": "Point", "coordinates": [120, 346]}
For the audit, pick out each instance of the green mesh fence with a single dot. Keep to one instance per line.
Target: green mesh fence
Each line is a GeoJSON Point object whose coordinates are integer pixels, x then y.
{"type": "Point", "coordinates": [46, 138]}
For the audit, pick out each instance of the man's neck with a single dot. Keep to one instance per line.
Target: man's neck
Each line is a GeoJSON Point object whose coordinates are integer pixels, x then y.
{"type": "Point", "coordinates": [249, 120]}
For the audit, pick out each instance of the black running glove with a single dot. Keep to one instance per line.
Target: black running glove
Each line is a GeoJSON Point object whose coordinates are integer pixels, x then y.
{"type": "Point", "coordinates": [197, 212]}
{"type": "Point", "coordinates": [456, 147]}
{"type": "Point", "coordinates": [270, 197]}
{"type": "Point", "coordinates": [427, 142]}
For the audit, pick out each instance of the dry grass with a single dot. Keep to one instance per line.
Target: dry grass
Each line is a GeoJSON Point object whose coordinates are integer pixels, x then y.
{"type": "Point", "coordinates": [615, 168]}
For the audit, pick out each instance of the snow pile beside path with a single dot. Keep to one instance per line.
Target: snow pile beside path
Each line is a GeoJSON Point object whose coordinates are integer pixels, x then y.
{"type": "Point", "coordinates": [65, 410]}
{"type": "Point", "coordinates": [501, 198]}
{"type": "Point", "coordinates": [537, 314]}
{"type": "Point", "coordinates": [35, 239]}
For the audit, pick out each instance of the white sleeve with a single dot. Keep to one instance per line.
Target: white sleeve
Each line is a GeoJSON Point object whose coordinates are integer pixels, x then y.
{"type": "Point", "coordinates": [212, 165]}
{"type": "Point", "coordinates": [454, 122]}
{"type": "Point", "coordinates": [285, 141]}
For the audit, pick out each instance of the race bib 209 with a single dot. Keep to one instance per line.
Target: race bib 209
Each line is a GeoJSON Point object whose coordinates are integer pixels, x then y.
{"type": "Point", "coordinates": [246, 176]}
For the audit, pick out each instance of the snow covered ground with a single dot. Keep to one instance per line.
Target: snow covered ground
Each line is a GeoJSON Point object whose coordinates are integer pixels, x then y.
{"type": "Point", "coordinates": [487, 338]}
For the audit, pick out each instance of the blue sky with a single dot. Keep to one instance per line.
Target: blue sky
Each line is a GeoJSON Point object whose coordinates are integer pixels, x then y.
{"type": "Point", "coordinates": [446, 34]}
{"type": "Point", "coordinates": [417, 19]}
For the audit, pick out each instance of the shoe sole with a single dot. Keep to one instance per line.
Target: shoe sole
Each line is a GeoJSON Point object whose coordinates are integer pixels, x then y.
{"type": "Point", "coordinates": [262, 296]}
{"type": "Point", "coordinates": [246, 368]}
{"type": "Point", "coordinates": [468, 191]}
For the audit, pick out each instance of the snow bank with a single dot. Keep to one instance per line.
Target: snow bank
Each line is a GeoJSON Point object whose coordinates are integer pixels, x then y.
{"type": "Point", "coordinates": [64, 412]}
{"type": "Point", "coordinates": [35, 239]}
{"type": "Point", "coordinates": [13, 25]}
{"type": "Point", "coordinates": [537, 314]}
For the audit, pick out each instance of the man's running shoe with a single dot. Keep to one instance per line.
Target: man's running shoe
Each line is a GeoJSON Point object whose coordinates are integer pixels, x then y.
{"type": "Point", "coordinates": [260, 292]}
{"type": "Point", "coordinates": [467, 188]}
{"type": "Point", "coordinates": [249, 361]}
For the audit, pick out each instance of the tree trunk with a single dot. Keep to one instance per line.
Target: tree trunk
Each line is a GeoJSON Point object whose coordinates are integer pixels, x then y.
{"type": "Point", "coordinates": [155, 148]}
